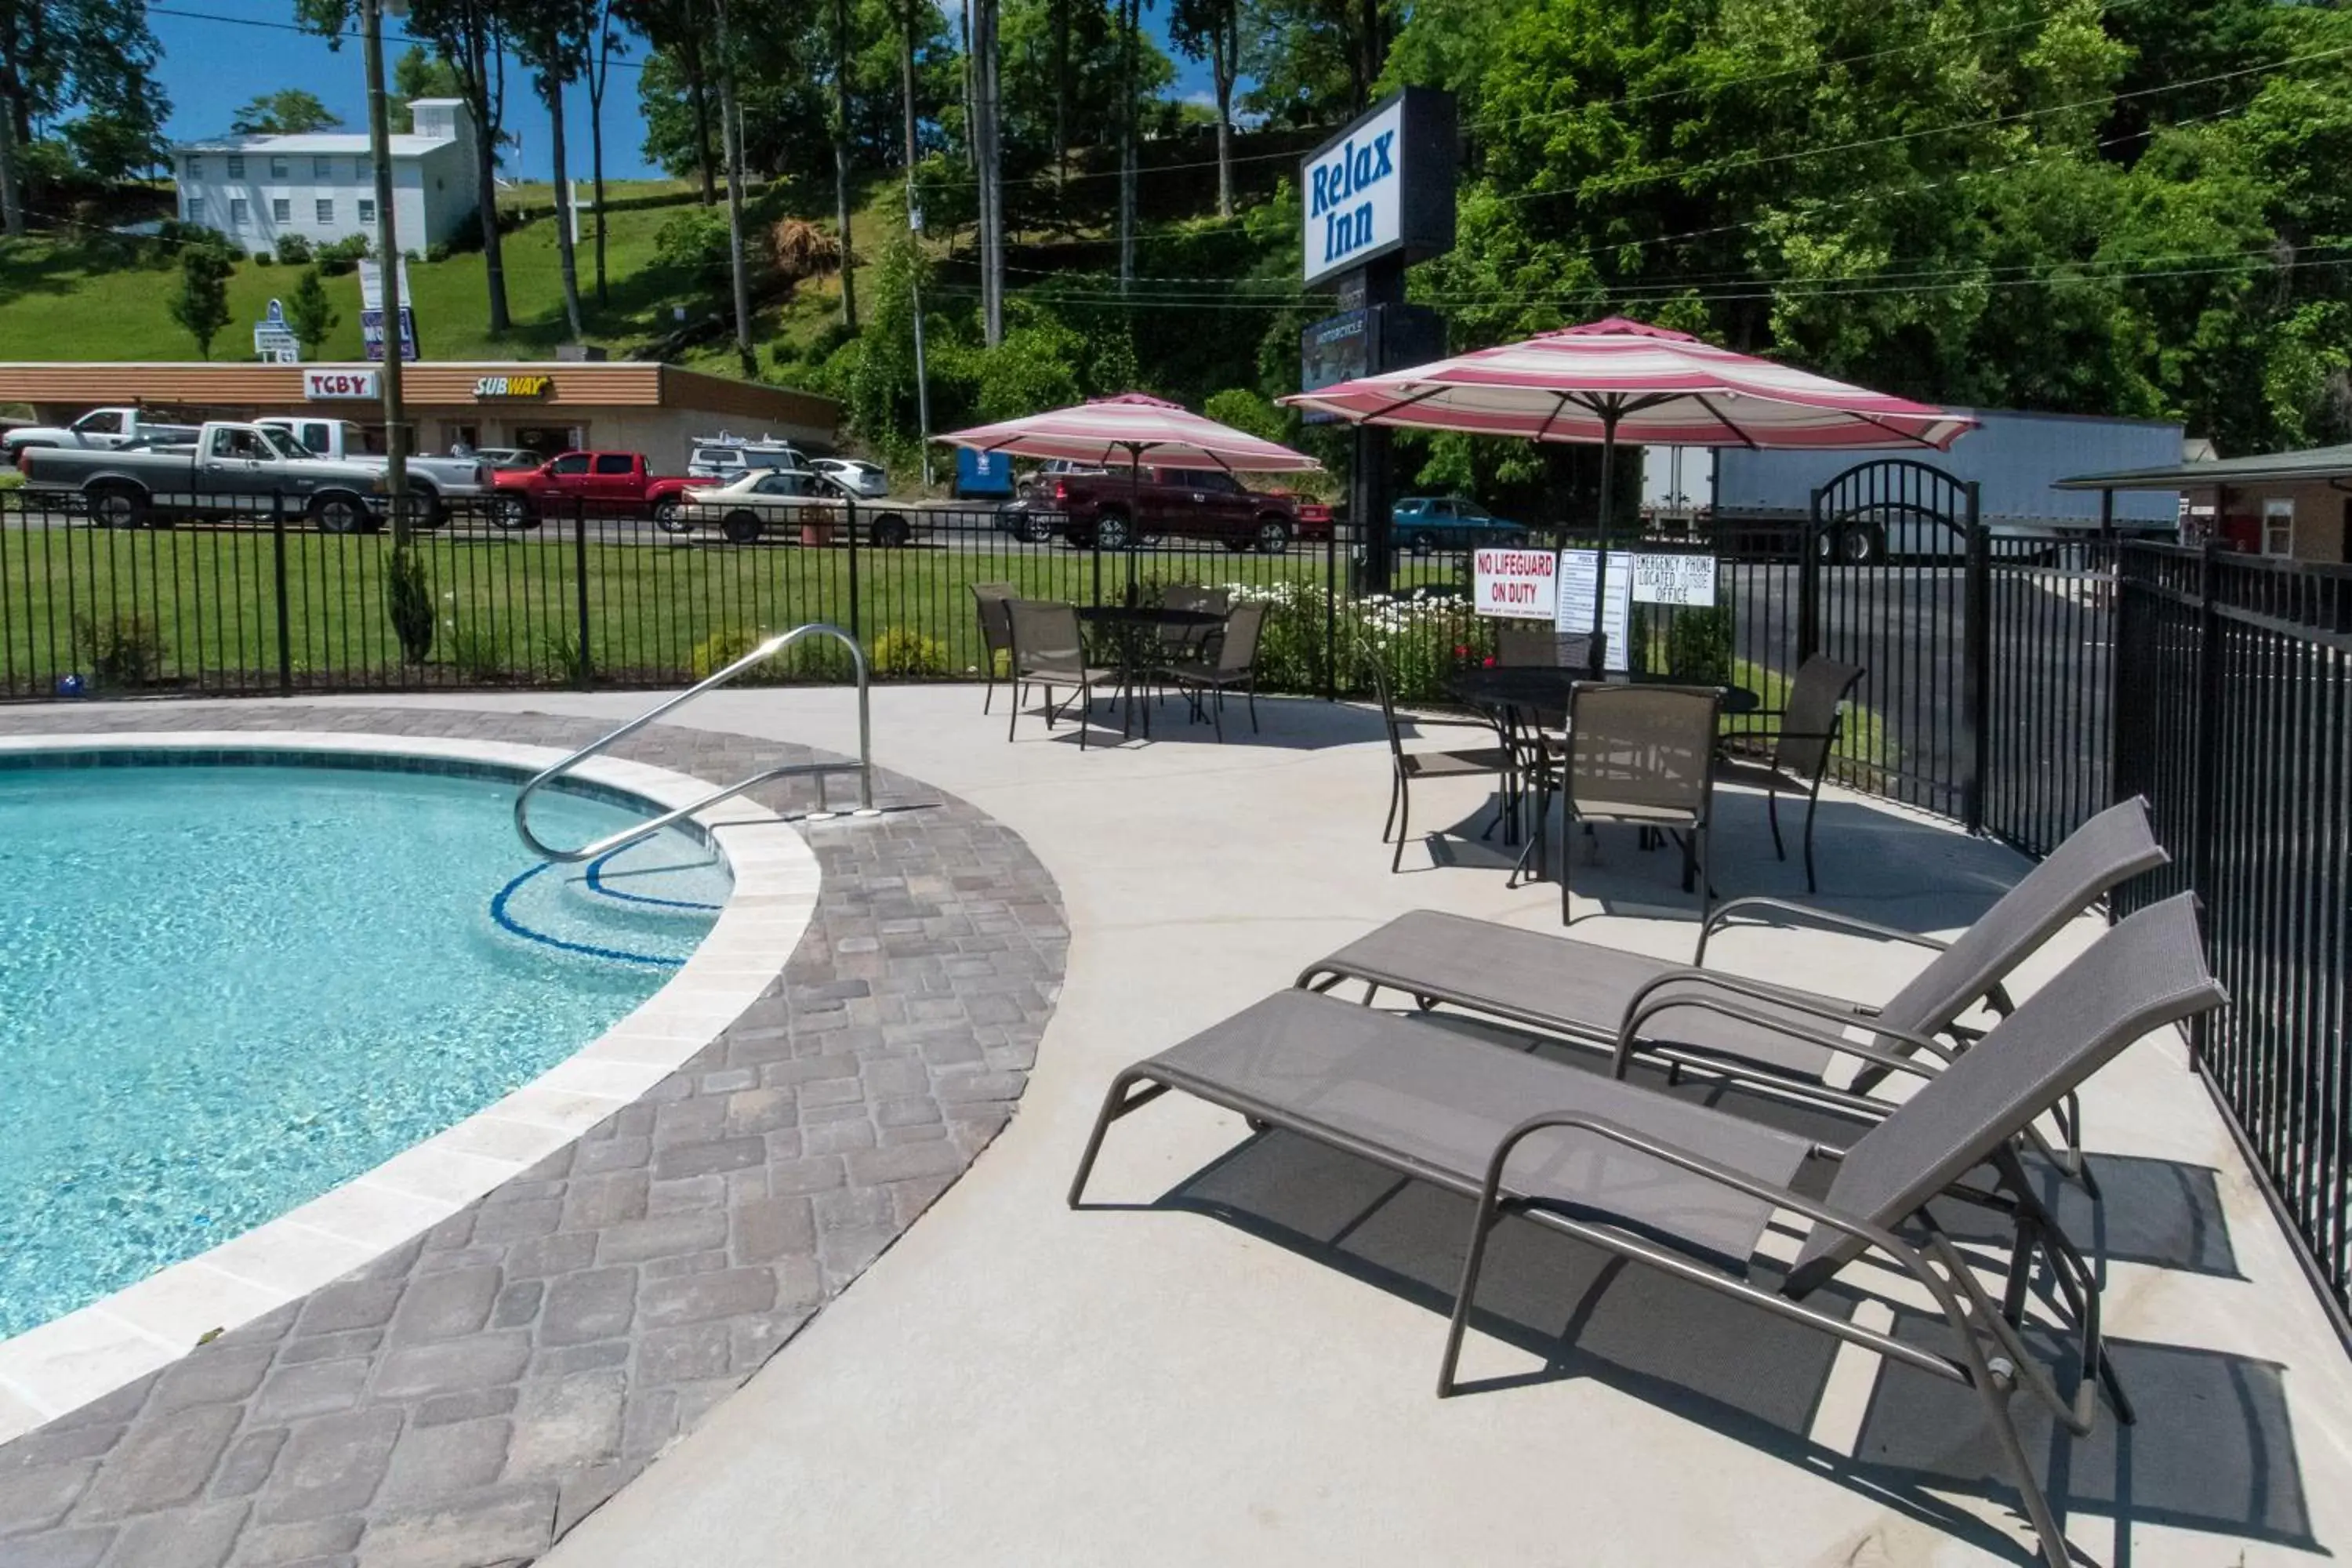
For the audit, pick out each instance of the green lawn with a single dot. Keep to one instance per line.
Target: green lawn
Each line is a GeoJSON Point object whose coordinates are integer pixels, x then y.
{"type": "Point", "coordinates": [68, 300]}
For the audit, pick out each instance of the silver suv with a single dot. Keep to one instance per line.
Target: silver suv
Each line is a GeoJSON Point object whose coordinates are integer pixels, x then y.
{"type": "Point", "coordinates": [729, 460]}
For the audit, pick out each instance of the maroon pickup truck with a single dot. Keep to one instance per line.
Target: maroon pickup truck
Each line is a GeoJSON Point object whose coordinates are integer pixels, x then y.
{"type": "Point", "coordinates": [600, 484]}
{"type": "Point", "coordinates": [1114, 510]}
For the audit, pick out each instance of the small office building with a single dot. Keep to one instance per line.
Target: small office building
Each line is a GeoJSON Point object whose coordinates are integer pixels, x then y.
{"type": "Point", "coordinates": [256, 190]}
{"type": "Point", "coordinates": [2294, 505]}
{"type": "Point", "coordinates": [624, 406]}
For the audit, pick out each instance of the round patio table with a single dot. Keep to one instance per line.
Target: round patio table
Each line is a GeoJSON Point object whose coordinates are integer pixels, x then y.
{"type": "Point", "coordinates": [1133, 628]}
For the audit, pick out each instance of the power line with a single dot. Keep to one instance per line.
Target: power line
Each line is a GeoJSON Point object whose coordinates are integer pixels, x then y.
{"type": "Point", "coordinates": [338, 36]}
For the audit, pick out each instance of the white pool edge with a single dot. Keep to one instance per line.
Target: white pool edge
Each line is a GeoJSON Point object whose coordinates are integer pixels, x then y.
{"type": "Point", "coordinates": [67, 1361]}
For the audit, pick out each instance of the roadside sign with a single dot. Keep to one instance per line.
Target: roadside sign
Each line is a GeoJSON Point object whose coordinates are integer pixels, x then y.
{"type": "Point", "coordinates": [371, 284]}
{"type": "Point", "coordinates": [322, 385]}
{"type": "Point", "coordinates": [372, 333]}
{"type": "Point", "coordinates": [1521, 584]}
{"type": "Point", "coordinates": [1580, 575]}
{"type": "Point", "coordinates": [1673, 580]}
{"type": "Point", "coordinates": [273, 341]}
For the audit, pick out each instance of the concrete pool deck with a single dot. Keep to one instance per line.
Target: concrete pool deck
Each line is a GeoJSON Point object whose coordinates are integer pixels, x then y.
{"type": "Point", "coordinates": [1234, 1372]}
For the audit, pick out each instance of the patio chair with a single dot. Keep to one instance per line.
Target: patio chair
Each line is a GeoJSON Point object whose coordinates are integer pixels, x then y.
{"type": "Point", "coordinates": [1230, 664]}
{"type": "Point", "coordinates": [1692, 1191]}
{"type": "Point", "coordinates": [1801, 739]}
{"type": "Point", "coordinates": [1048, 651]}
{"type": "Point", "coordinates": [1644, 755]}
{"type": "Point", "coordinates": [995, 634]}
{"type": "Point", "coordinates": [1533, 644]}
{"type": "Point", "coordinates": [1586, 993]}
{"type": "Point", "coordinates": [1405, 766]}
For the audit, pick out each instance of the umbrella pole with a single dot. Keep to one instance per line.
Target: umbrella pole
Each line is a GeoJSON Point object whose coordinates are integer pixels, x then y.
{"type": "Point", "coordinates": [1134, 515]}
{"type": "Point", "coordinates": [1610, 412]}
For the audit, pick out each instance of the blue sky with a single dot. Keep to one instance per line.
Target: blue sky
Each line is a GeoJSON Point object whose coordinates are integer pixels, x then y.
{"type": "Point", "coordinates": [213, 67]}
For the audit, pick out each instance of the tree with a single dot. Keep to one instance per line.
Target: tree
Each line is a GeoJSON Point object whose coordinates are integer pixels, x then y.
{"type": "Point", "coordinates": [674, 89]}
{"type": "Point", "coordinates": [200, 304]}
{"type": "Point", "coordinates": [607, 43]}
{"type": "Point", "coordinates": [415, 75]}
{"type": "Point", "coordinates": [1211, 30]}
{"type": "Point", "coordinates": [469, 39]}
{"type": "Point", "coordinates": [288, 112]}
{"type": "Point", "coordinates": [552, 38]}
{"type": "Point", "coordinates": [308, 312]}
{"type": "Point", "coordinates": [841, 66]}
{"type": "Point", "coordinates": [989, 148]}
{"type": "Point", "coordinates": [94, 55]}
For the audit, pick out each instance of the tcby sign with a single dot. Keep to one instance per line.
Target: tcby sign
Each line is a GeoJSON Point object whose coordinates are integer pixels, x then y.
{"type": "Point", "coordinates": [1519, 584]}
{"type": "Point", "coordinates": [329, 385]}
{"type": "Point", "coordinates": [1351, 193]}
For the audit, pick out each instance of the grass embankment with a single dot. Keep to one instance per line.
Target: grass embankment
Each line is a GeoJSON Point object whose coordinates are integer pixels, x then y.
{"type": "Point", "coordinates": [63, 299]}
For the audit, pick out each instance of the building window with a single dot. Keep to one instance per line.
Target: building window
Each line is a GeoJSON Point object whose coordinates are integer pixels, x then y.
{"type": "Point", "coordinates": [280, 210]}
{"type": "Point", "coordinates": [360, 170]}
{"type": "Point", "coordinates": [236, 213]}
{"type": "Point", "coordinates": [323, 168]}
{"type": "Point", "coordinates": [196, 209]}
{"type": "Point", "coordinates": [195, 168]}
{"type": "Point", "coordinates": [235, 167]}
{"type": "Point", "coordinates": [277, 168]}
{"type": "Point", "coordinates": [367, 210]}
{"type": "Point", "coordinates": [326, 212]}
{"type": "Point", "coordinates": [2278, 526]}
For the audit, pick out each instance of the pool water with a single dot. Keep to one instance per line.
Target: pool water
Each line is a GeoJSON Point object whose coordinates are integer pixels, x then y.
{"type": "Point", "coordinates": [225, 991]}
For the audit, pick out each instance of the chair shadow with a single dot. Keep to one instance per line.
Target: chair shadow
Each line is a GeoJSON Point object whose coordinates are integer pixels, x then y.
{"type": "Point", "coordinates": [1285, 723]}
{"type": "Point", "coordinates": [1757, 1378]}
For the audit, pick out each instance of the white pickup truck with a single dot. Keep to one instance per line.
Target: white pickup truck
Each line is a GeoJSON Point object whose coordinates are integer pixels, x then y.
{"type": "Point", "coordinates": [99, 430]}
{"type": "Point", "coordinates": [434, 482]}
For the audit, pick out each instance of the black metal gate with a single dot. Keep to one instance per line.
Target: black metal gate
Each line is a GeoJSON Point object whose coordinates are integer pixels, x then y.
{"type": "Point", "coordinates": [1893, 579]}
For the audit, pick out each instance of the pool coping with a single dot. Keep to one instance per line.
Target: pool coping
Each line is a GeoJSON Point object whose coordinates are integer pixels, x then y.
{"type": "Point", "coordinates": [62, 1365]}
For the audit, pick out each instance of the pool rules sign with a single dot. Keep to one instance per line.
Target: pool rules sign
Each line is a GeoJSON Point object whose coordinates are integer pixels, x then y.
{"type": "Point", "coordinates": [1520, 585]}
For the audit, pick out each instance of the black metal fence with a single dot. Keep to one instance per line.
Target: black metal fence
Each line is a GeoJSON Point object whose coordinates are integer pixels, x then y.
{"type": "Point", "coordinates": [2233, 716]}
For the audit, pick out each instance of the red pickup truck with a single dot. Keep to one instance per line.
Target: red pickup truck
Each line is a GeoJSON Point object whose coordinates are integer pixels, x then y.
{"type": "Point", "coordinates": [1114, 510]}
{"type": "Point", "coordinates": [602, 484]}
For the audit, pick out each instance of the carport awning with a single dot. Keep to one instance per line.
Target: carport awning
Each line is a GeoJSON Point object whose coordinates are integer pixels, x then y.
{"type": "Point", "coordinates": [2317, 465]}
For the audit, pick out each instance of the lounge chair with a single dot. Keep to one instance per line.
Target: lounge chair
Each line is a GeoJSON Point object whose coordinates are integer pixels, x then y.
{"type": "Point", "coordinates": [1589, 994]}
{"type": "Point", "coordinates": [1692, 1191]}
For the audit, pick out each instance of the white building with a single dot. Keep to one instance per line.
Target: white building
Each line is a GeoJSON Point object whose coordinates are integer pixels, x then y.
{"type": "Point", "coordinates": [321, 186]}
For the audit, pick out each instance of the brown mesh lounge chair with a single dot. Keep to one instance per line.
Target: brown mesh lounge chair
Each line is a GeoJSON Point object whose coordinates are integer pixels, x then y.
{"type": "Point", "coordinates": [1231, 666]}
{"type": "Point", "coordinates": [1588, 993]}
{"type": "Point", "coordinates": [1406, 766]}
{"type": "Point", "coordinates": [1644, 755]}
{"type": "Point", "coordinates": [1694, 1191]}
{"type": "Point", "coordinates": [1048, 651]}
{"type": "Point", "coordinates": [1802, 736]}
{"type": "Point", "coordinates": [996, 635]}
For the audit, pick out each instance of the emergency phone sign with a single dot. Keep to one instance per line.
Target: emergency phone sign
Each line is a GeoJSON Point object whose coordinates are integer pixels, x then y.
{"type": "Point", "coordinates": [1519, 584]}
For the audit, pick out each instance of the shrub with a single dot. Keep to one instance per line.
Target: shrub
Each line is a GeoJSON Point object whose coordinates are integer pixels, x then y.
{"type": "Point", "coordinates": [294, 250]}
{"type": "Point", "coordinates": [409, 600]}
{"type": "Point", "coordinates": [344, 255]}
{"type": "Point", "coordinates": [721, 648]}
{"type": "Point", "coordinates": [467, 234]}
{"type": "Point", "coordinates": [695, 242]}
{"type": "Point", "coordinates": [905, 654]}
{"type": "Point", "coordinates": [1699, 645]}
{"type": "Point", "coordinates": [474, 653]}
{"type": "Point", "coordinates": [438, 251]}
{"type": "Point", "coordinates": [124, 650]}
{"type": "Point", "coordinates": [264, 259]}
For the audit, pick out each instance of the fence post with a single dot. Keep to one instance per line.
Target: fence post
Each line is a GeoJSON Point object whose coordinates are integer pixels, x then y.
{"type": "Point", "coordinates": [1976, 667]}
{"type": "Point", "coordinates": [857, 623]}
{"type": "Point", "coordinates": [285, 630]}
{"type": "Point", "coordinates": [580, 671]}
{"type": "Point", "coordinates": [1331, 613]}
{"type": "Point", "coordinates": [1809, 582]}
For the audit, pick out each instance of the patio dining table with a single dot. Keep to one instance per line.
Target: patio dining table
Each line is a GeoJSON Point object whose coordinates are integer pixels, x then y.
{"type": "Point", "coordinates": [1134, 633]}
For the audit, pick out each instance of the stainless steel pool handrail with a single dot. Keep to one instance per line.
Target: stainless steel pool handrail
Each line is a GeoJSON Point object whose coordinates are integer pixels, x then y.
{"type": "Point", "coordinates": [863, 767]}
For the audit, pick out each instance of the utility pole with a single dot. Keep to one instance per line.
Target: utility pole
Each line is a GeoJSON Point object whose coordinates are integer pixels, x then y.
{"type": "Point", "coordinates": [387, 249]}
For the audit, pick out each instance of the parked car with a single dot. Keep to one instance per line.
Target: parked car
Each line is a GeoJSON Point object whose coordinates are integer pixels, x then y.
{"type": "Point", "coordinates": [433, 481]}
{"type": "Point", "coordinates": [99, 430]}
{"type": "Point", "coordinates": [792, 499]}
{"type": "Point", "coordinates": [1423, 523]}
{"type": "Point", "coordinates": [729, 457]}
{"type": "Point", "coordinates": [602, 484]}
{"type": "Point", "coordinates": [853, 477]}
{"type": "Point", "coordinates": [228, 470]}
{"type": "Point", "coordinates": [1117, 509]}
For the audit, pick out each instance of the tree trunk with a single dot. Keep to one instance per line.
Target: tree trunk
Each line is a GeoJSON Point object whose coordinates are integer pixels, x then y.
{"type": "Point", "coordinates": [1127, 23]}
{"type": "Point", "coordinates": [971, 94]}
{"type": "Point", "coordinates": [12, 177]}
{"type": "Point", "coordinates": [599, 75]}
{"type": "Point", "coordinates": [991, 171]}
{"type": "Point", "coordinates": [1375, 52]}
{"type": "Point", "coordinates": [1225, 50]}
{"type": "Point", "coordinates": [731, 131]}
{"type": "Point", "coordinates": [1062, 90]}
{"type": "Point", "coordinates": [485, 202]}
{"type": "Point", "coordinates": [841, 160]}
{"type": "Point", "coordinates": [907, 97]}
{"type": "Point", "coordinates": [698, 88]}
{"type": "Point", "coordinates": [551, 87]}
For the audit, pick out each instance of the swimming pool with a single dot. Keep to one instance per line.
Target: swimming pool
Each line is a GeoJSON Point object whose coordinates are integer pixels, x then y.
{"type": "Point", "coordinates": [225, 990]}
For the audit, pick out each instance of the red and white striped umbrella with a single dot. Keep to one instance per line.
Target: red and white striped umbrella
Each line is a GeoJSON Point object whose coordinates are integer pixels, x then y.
{"type": "Point", "coordinates": [1616, 380]}
{"type": "Point", "coordinates": [1134, 427]}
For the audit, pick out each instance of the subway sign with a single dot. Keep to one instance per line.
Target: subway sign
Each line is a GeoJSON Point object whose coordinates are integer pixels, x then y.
{"type": "Point", "coordinates": [514, 386]}
{"type": "Point", "coordinates": [1383, 186]}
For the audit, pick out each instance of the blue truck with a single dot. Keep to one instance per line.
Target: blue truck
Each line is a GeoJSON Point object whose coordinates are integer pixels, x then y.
{"type": "Point", "coordinates": [2014, 457]}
